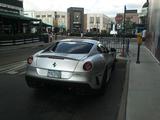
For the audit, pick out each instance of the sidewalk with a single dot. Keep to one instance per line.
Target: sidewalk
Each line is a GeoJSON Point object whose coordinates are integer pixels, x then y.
{"type": "Point", "coordinates": [143, 100]}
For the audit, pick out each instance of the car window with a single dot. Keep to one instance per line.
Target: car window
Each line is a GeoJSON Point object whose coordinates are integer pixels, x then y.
{"type": "Point", "coordinates": [72, 47]}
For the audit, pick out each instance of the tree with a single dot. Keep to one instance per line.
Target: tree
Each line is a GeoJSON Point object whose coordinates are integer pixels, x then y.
{"type": "Point", "coordinates": [130, 26]}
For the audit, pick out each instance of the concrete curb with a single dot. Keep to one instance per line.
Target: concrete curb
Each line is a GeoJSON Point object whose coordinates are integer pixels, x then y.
{"type": "Point", "coordinates": [152, 55]}
{"type": "Point", "coordinates": [122, 109]}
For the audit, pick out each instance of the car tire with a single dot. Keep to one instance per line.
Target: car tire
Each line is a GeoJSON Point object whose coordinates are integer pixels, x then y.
{"type": "Point", "coordinates": [104, 84]}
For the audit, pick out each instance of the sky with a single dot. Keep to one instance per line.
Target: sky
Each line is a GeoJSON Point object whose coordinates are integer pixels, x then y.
{"type": "Point", "coordinates": [107, 7]}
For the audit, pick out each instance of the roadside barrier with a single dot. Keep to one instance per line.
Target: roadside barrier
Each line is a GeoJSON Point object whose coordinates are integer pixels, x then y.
{"type": "Point", "coordinates": [18, 42]}
{"type": "Point", "coordinates": [120, 44]}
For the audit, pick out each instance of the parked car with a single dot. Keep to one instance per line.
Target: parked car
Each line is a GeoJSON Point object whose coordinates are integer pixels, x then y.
{"type": "Point", "coordinates": [72, 62]}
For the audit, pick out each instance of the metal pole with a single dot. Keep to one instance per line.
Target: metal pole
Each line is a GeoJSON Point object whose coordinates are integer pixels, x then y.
{"type": "Point", "coordinates": [97, 29]}
{"type": "Point", "coordinates": [40, 29]}
{"type": "Point", "coordinates": [147, 20]}
{"type": "Point", "coordinates": [127, 47]}
{"type": "Point", "coordinates": [138, 62]}
{"type": "Point", "coordinates": [55, 25]}
{"type": "Point", "coordinates": [124, 24]}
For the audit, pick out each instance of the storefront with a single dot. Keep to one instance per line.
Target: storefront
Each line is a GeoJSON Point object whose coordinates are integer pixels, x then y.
{"type": "Point", "coordinates": [14, 24]}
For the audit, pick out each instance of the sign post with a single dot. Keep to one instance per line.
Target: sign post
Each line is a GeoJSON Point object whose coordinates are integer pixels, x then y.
{"type": "Point", "coordinates": [124, 25]}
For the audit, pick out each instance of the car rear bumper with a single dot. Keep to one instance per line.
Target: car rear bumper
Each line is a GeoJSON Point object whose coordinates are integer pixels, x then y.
{"type": "Point", "coordinates": [77, 79]}
{"type": "Point", "coordinates": [58, 83]}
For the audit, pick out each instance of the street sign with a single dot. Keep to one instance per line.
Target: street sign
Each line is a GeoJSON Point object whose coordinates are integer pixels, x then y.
{"type": "Point", "coordinates": [113, 31]}
{"type": "Point", "coordinates": [118, 26]}
{"type": "Point", "coordinates": [119, 18]}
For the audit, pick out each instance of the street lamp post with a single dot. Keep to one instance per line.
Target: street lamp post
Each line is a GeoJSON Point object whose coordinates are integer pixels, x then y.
{"type": "Point", "coordinates": [147, 27]}
{"type": "Point", "coordinates": [40, 29]}
{"type": "Point", "coordinates": [55, 25]}
{"type": "Point", "coordinates": [124, 25]}
{"type": "Point", "coordinates": [97, 30]}
{"type": "Point", "coordinates": [97, 21]}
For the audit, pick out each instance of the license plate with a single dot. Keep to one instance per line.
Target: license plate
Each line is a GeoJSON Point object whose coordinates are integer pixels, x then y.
{"type": "Point", "coordinates": [54, 74]}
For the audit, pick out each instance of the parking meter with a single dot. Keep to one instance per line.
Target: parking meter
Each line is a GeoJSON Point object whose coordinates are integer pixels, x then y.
{"type": "Point", "coordinates": [139, 38]}
{"type": "Point", "coordinates": [139, 41]}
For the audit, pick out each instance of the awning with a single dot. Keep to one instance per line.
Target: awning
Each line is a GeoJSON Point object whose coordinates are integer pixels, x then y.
{"type": "Point", "coordinates": [46, 25]}
{"type": "Point", "coordinates": [17, 17]}
{"type": "Point", "coordinates": [42, 24]}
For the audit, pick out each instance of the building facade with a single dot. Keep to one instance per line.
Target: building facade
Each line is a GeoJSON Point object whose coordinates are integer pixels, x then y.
{"type": "Point", "coordinates": [131, 15]}
{"type": "Point", "coordinates": [153, 36]}
{"type": "Point", "coordinates": [48, 17]}
{"type": "Point", "coordinates": [143, 15]}
{"type": "Point", "coordinates": [131, 21]}
{"type": "Point", "coordinates": [11, 19]}
{"type": "Point", "coordinates": [11, 6]}
{"type": "Point", "coordinates": [98, 22]}
{"type": "Point", "coordinates": [75, 18]}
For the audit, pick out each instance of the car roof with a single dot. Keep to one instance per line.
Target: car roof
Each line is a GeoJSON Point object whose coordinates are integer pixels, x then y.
{"type": "Point", "coordinates": [80, 40]}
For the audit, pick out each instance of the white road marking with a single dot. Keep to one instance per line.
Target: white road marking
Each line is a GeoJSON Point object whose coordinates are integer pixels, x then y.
{"type": "Point", "coordinates": [12, 72]}
{"type": "Point", "coordinates": [22, 73]}
{"type": "Point", "coordinates": [13, 68]}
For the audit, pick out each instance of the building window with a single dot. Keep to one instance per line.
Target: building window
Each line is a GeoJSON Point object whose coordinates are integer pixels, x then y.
{"type": "Point", "coordinates": [49, 16]}
{"type": "Point", "coordinates": [43, 16]}
{"type": "Point", "coordinates": [37, 16]}
{"type": "Point", "coordinates": [63, 16]}
{"type": "Point", "coordinates": [77, 17]}
{"type": "Point", "coordinates": [58, 16]}
{"type": "Point", "coordinates": [91, 19]}
{"type": "Point", "coordinates": [97, 19]}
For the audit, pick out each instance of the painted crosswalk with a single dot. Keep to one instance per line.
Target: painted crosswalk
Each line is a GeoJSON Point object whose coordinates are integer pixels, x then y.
{"type": "Point", "coordinates": [13, 68]}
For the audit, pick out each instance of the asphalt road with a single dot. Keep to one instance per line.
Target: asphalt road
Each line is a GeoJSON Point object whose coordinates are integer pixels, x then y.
{"type": "Point", "coordinates": [12, 54]}
{"type": "Point", "coordinates": [19, 102]}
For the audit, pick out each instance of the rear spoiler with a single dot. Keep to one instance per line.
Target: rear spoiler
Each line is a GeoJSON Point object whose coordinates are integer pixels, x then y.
{"type": "Point", "coordinates": [56, 57]}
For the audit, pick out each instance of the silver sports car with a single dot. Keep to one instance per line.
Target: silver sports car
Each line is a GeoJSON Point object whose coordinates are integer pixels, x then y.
{"type": "Point", "coordinates": [72, 62]}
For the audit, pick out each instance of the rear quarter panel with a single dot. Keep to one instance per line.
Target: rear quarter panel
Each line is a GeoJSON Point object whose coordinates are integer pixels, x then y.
{"type": "Point", "coordinates": [97, 61]}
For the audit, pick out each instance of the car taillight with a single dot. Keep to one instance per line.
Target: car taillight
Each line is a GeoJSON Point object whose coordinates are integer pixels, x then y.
{"type": "Point", "coordinates": [87, 66]}
{"type": "Point", "coordinates": [30, 60]}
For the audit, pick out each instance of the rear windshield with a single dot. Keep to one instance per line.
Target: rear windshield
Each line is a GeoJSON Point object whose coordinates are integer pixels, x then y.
{"type": "Point", "coordinates": [72, 47]}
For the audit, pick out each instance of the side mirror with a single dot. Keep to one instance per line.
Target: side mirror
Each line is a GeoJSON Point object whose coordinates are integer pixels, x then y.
{"type": "Point", "coordinates": [99, 49]}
